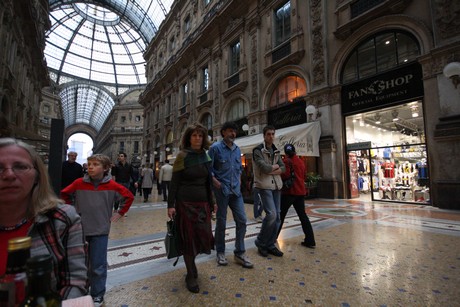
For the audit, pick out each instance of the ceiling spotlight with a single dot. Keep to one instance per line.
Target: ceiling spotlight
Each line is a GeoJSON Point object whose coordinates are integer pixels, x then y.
{"type": "Point", "coordinates": [377, 118]}
{"type": "Point", "coordinates": [395, 114]}
{"type": "Point", "coordinates": [414, 110]}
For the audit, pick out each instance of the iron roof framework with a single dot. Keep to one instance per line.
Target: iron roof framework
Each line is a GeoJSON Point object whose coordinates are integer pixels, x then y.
{"type": "Point", "coordinates": [99, 44]}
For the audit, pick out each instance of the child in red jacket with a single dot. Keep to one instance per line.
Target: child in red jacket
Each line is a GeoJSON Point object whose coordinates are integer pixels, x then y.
{"type": "Point", "coordinates": [94, 196]}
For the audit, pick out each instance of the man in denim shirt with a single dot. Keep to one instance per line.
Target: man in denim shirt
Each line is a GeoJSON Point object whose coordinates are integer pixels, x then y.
{"type": "Point", "coordinates": [226, 174]}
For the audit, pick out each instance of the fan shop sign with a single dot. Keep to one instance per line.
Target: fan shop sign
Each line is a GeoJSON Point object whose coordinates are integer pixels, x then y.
{"type": "Point", "coordinates": [388, 88]}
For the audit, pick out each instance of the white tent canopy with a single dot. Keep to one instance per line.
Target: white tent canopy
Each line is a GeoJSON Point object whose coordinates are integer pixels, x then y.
{"type": "Point", "coordinates": [304, 137]}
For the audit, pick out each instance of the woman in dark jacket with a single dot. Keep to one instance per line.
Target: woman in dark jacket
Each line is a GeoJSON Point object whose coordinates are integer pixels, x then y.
{"type": "Point", "coordinates": [190, 201]}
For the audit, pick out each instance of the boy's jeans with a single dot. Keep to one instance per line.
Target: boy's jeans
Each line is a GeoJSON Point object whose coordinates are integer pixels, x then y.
{"type": "Point", "coordinates": [271, 223]}
{"type": "Point", "coordinates": [97, 271]}
{"type": "Point", "coordinates": [239, 215]}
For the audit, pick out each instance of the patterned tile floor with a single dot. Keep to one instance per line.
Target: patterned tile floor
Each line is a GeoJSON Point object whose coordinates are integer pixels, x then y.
{"type": "Point", "coordinates": [368, 254]}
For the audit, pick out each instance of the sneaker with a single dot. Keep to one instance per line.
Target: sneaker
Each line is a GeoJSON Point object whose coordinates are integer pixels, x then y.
{"type": "Point", "coordinates": [259, 219]}
{"type": "Point", "coordinates": [275, 252]}
{"type": "Point", "coordinates": [221, 260]}
{"type": "Point", "coordinates": [244, 261]}
{"type": "Point", "coordinates": [98, 301]}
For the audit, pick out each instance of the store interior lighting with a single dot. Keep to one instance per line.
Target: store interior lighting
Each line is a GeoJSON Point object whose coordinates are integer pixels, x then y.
{"type": "Point", "coordinates": [395, 114]}
{"type": "Point", "coordinates": [414, 110]}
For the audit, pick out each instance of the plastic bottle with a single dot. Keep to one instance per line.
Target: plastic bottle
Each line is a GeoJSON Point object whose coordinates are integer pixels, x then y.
{"type": "Point", "coordinates": [39, 290]}
{"type": "Point", "coordinates": [13, 284]}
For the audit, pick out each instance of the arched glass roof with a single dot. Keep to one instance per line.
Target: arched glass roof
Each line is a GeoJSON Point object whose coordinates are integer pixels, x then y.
{"type": "Point", "coordinates": [100, 41]}
{"type": "Point", "coordinates": [85, 104]}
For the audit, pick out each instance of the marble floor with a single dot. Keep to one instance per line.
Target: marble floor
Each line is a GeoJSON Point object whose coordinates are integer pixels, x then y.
{"type": "Point", "coordinates": [367, 254]}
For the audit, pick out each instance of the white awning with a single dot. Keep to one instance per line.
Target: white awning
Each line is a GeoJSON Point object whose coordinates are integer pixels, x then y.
{"type": "Point", "coordinates": [304, 137]}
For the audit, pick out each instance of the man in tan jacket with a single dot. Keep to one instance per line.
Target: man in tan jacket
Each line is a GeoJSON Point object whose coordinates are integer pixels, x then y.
{"type": "Point", "coordinates": [268, 167]}
{"type": "Point", "coordinates": [165, 178]}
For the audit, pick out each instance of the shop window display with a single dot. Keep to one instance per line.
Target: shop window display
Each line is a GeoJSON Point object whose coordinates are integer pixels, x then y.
{"type": "Point", "coordinates": [387, 157]}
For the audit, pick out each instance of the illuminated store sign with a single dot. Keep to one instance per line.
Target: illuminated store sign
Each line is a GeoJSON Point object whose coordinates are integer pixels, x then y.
{"type": "Point", "coordinates": [399, 85]}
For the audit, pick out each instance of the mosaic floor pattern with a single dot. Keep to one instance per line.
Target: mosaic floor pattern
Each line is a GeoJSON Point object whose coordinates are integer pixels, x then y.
{"type": "Point", "coordinates": [368, 254]}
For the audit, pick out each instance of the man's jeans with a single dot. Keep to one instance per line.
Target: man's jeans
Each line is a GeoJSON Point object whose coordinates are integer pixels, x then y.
{"type": "Point", "coordinates": [97, 271]}
{"type": "Point", "coordinates": [271, 223]}
{"type": "Point", "coordinates": [258, 208]}
{"type": "Point", "coordinates": [239, 215]}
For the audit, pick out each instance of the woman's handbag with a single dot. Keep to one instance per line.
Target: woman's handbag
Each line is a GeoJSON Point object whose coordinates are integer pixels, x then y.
{"type": "Point", "coordinates": [289, 182]}
{"type": "Point", "coordinates": [172, 241]}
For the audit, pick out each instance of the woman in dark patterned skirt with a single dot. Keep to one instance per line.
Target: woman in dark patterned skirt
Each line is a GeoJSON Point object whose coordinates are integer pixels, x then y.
{"type": "Point", "coordinates": [190, 201]}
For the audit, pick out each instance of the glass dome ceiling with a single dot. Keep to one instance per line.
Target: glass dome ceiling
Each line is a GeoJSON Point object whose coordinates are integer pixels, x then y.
{"type": "Point", "coordinates": [100, 41]}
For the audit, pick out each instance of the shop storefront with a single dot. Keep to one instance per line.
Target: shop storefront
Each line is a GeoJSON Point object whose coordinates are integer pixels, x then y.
{"type": "Point", "coordinates": [386, 152]}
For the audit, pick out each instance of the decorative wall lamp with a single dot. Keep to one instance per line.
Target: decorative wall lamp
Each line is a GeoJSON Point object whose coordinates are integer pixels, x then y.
{"type": "Point", "coordinates": [168, 149]}
{"type": "Point", "coordinates": [312, 113]}
{"type": "Point", "coordinates": [452, 71]}
{"type": "Point", "coordinates": [245, 128]}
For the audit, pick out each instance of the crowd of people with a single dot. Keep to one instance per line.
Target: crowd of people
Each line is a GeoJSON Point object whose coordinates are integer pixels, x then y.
{"type": "Point", "coordinates": [204, 179]}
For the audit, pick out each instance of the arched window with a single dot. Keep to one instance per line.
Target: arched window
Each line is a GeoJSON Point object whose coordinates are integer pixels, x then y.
{"type": "Point", "coordinates": [239, 109]}
{"type": "Point", "coordinates": [379, 53]}
{"type": "Point", "coordinates": [287, 90]}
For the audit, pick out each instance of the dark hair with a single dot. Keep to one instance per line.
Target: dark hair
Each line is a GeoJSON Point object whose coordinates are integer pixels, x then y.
{"type": "Point", "coordinates": [228, 125]}
{"type": "Point", "coordinates": [268, 127]}
{"type": "Point", "coordinates": [166, 161]}
{"type": "Point", "coordinates": [289, 150]}
{"type": "Point", "coordinates": [185, 143]}
{"type": "Point", "coordinates": [122, 153]}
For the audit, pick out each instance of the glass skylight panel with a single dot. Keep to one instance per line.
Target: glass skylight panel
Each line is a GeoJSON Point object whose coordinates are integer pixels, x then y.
{"type": "Point", "coordinates": [76, 70]}
{"type": "Point", "coordinates": [125, 70]}
{"type": "Point", "coordinates": [103, 67]}
{"type": "Point", "coordinates": [76, 60]}
{"type": "Point", "coordinates": [53, 63]}
{"type": "Point", "coordinates": [103, 77]}
{"type": "Point", "coordinates": [54, 51]}
{"type": "Point", "coordinates": [125, 79]}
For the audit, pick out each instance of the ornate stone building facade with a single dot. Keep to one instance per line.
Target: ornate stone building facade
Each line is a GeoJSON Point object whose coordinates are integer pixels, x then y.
{"type": "Point", "coordinates": [23, 71]}
{"type": "Point", "coordinates": [123, 130]}
{"type": "Point", "coordinates": [251, 61]}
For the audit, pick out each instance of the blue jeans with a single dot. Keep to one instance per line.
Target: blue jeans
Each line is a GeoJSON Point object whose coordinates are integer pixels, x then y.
{"type": "Point", "coordinates": [97, 271]}
{"type": "Point", "coordinates": [258, 208]}
{"type": "Point", "coordinates": [271, 223]}
{"type": "Point", "coordinates": [239, 215]}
